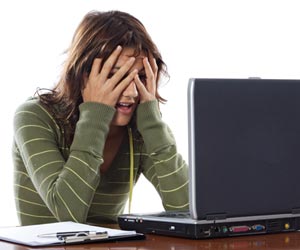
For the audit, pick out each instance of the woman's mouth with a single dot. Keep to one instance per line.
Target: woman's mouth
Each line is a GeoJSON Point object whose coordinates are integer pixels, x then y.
{"type": "Point", "coordinates": [124, 107]}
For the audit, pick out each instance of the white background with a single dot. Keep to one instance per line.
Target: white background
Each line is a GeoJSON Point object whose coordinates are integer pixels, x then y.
{"type": "Point", "coordinates": [197, 38]}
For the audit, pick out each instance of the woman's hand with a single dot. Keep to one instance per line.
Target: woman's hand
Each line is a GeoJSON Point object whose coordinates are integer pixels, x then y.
{"type": "Point", "coordinates": [100, 87]}
{"type": "Point", "coordinates": [147, 89]}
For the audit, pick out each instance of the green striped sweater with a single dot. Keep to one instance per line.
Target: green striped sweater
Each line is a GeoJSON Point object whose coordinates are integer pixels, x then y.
{"type": "Point", "coordinates": [54, 182]}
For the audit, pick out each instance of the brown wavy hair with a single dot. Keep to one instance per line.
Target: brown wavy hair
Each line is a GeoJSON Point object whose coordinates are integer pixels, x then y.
{"type": "Point", "coordinates": [98, 34]}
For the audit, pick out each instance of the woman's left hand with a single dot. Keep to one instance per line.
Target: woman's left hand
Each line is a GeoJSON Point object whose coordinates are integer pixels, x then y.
{"type": "Point", "coordinates": [147, 89]}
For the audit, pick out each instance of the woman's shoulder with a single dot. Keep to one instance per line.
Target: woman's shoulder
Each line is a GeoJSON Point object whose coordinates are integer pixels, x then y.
{"type": "Point", "coordinates": [33, 106]}
{"type": "Point", "coordinates": [29, 103]}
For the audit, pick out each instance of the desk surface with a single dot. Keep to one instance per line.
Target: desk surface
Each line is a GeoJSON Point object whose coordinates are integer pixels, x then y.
{"type": "Point", "coordinates": [259, 242]}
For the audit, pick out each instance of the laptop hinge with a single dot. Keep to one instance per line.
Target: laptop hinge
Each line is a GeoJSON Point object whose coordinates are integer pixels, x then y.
{"type": "Point", "coordinates": [219, 216]}
{"type": "Point", "coordinates": [296, 211]}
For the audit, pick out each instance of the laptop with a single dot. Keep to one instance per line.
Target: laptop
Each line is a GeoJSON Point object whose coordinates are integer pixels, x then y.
{"type": "Point", "coordinates": [244, 161]}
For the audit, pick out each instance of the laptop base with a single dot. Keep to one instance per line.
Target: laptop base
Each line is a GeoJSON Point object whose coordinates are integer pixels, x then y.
{"type": "Point", "coordinates": [203, 229]}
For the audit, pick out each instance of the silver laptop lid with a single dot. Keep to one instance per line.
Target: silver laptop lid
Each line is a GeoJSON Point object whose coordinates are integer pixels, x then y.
{"type": "Point", "coordinates": [244, 147]}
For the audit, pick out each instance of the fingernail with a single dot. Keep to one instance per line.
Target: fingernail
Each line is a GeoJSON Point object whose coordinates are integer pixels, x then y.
{"type": "Point", "coordinates": [135, 71]}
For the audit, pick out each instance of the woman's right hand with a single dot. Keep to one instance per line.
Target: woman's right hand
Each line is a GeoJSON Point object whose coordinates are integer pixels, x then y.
{"type": "Point", "coordinates": [100, 87]}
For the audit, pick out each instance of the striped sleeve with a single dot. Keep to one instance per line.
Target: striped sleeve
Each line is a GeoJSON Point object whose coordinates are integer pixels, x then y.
{"type": "Point", "coordinates": [164, 166]}
{"type": "Point", "coordinates": [66, 186]}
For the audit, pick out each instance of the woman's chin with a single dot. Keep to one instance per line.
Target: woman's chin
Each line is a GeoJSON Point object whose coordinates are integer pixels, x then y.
{"type": "Point", "coordinates": [120, 121]}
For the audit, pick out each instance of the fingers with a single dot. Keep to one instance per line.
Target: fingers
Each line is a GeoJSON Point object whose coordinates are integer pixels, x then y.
{"type": "Point", "coordinates": [107, 80]}
{"type": "Point", "coordinates": [126, 81]}
{"type": "Point", "coordinates": [140, 86]}
{"type": "Point", "coordinates": [144, 94]}
{"type": "Point", "coordinates": [115, 93]}
{"type": "Point", "coordinates": [153, 65]}
{"type": "Point", "coordinates": [121, 72]}
{"type": "Point", "coordinates": [95, 67]}
{"type": "Point", "coordinates": [109, 64]}
{"type": "Point", "coordinates": [151, 72]}
{"type": "Point", "coordinates": [103, 73]}
{"type": "Point", "coordinates": [147, 90]}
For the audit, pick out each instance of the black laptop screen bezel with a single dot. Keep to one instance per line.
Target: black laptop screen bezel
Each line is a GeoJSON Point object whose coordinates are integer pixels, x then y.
{"type": "Point", "coordinates": [244, 147]}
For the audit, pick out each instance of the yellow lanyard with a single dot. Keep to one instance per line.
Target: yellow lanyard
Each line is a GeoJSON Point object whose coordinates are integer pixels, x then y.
{"type": "Point", "coordinates": [131, 171]}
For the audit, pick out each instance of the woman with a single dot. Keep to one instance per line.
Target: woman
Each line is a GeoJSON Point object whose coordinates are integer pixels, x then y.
{"type": "Point", "coordinates": [79, 149]}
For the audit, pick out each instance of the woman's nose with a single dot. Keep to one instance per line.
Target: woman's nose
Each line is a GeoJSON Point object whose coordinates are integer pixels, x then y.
{"type": "Point", "coordinates": [131, 90]}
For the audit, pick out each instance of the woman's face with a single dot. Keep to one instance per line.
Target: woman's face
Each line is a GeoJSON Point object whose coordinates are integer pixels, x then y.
{"type": "Point", "coordinates": [129, 98]}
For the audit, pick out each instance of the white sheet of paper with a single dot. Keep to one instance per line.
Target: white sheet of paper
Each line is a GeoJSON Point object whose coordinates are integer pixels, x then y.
{"type": "Point", "coordinates": [28, 235]}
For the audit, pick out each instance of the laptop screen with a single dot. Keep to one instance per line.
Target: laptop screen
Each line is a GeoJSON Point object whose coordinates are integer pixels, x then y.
{"type": "Point", "coordinates": [244, 147]}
